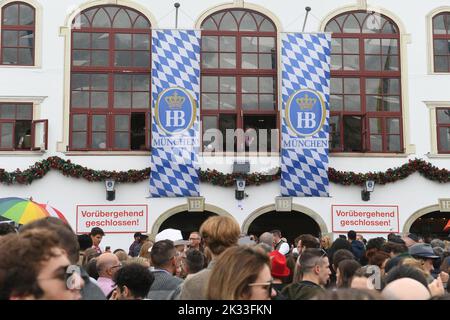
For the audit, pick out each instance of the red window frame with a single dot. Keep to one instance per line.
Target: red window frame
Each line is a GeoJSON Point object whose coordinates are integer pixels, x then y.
{"type": "Point", "coordinates": [84, 24]}
{"type": "Point", "coordinates": [362, 75]}
{"type": "Point", "coordinates": [441, 36]}
{"type": "Point", "coordinates": [238, 72]}
{"type": "Point", "coordinates": [18, 27]}
{"type": "Point", "coordinates": [438, 127]}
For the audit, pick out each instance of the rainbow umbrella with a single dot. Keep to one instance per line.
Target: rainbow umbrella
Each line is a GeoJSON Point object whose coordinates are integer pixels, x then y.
{"type": "Point", "coordinates": [53, 212]}
{"type": "Point", "coordinates": [23, 211]}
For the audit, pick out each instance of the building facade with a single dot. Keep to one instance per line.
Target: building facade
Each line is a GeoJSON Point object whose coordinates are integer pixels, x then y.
{"type": "Point", "coordinates": [75, 84]}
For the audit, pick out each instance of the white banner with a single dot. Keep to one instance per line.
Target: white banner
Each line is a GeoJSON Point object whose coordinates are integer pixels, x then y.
{"type": "Point", "coordinates": [112, 219]}
{"type": "Point", "coordinates": [365, 219]}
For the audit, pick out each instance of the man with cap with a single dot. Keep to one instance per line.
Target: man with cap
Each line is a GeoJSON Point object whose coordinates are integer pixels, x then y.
{"type": "Point", "coordinates": [425, 254]}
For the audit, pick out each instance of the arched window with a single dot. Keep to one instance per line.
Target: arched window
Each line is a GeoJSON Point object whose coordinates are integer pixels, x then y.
{"type": "Point", "coordinates": [365, 101]}
{"type": "Point", "coordinates": [18, 34]}
{"type": "Point", "coordinates": [239, 72]}
{"type": "Point", "coordinates": [441, 42]}
{"type": "Point", "coordinates": [110, 80]}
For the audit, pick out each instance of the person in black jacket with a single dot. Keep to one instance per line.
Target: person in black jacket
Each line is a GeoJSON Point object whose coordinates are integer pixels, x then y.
{"type": "Point", "coordinates": [357, 246]}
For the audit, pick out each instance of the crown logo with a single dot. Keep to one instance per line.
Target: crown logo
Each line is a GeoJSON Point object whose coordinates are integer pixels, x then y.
{"type": "Point", "coordinates": [306, 102]}
{"type": "Point", "coordinates": [175, 101]}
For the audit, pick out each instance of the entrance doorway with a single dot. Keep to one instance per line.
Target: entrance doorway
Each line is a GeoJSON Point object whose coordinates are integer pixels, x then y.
{"type": "Point", "coordinates": [186, 221]}
{"type": "Point", "coordinates": [431, 225]}
{"type": "Point", "coordinates": [291, 224]}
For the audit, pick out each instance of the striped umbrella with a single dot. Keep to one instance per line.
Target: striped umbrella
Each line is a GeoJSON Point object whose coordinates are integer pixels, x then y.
{"type": "Point", "coordinates": [23, 211]}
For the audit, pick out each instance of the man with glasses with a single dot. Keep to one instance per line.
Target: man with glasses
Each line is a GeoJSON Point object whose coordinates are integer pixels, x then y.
{"type": "Point", "coordinates": [315, 268]}
{"type": "Point", "coordinates": [107, 266]}
{"type": "Point", "coordinates": [195, 241]}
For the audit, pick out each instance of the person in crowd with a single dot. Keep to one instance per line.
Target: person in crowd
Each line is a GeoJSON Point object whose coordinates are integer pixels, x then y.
{"type": "Point", "coordinates": [84, 242]}
{"type": "Point", "coordinates": [122, 255]}
{"type": "Point", "coordinates": [315, 268]}
{"type": "Point", "coordinates": [91, 269]}
{"type": "Point", "coordinates": [279, 271]}
{"type": "Point", "coordinates": [306, 241]}
{"type": "Point", "coordinates": [339, 243]}
{"type": "Point", "coordinates": [325, 243]}
{"type": "Point", "coordinates": [166, 286]}
{"type": "Point", "coordinates": [348, 294]}
{"type": "Point", "coordinates": [405, 289]}
{"type": "Point", "coordinates": [33, 266]}
{"type": "Point", "coordinates": [133, 282]}
{"type": "Point", "coordinates": [406, 271]}
{"type": "Point", "coordinates": [195, 241]}
{"type": "Point", "coordinates": [266, 239]}
{"type": "Point", "coordinates": [107, 266]}
{"type": "Point", "coordinates": [426, 256]}
{"type": "Point", "coordinates": [135, 247]}
{"type": "Point", "coordinates": [373, 245]}
{"type": "Point", "coordinates": [6, 228]}
{"type": "Point", "coordinates": [357, 246]}
{"type": "Point", "coordinates": [338, 256]}
{"type": "Point", "coordinates": [194, 260]}
{"type": "Point", "coordinates": [146, 249]}
{"type": "Point", "coordinates": [410, 239]}
{"type": "Point", "coordinates": [365, 278]}
{"type": "Point", "coordinates": [138, 260]}
{"type": "Point", "coordinates": [97, 235]}
{"type": "Point", "coordinates": [345, 272]}
{"type": "Point", "coordinates": [379, 259]}
{"type": "Point", "coordinates": [89, 254]}
{"type": "Point", "coordinates": [68, 241]}
{"type": "Point", "coordinates": [219, 233]}
{"type": "Point", "coordinates": [278, 242]}
{"type": "Point", "coordinates": [240, 273]}
{"type": "Point", "coordinates": [399, 252]}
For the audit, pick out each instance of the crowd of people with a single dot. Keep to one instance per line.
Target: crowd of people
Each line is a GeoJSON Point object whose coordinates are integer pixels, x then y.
{"type": "Point", "coordinates": [46, 260]}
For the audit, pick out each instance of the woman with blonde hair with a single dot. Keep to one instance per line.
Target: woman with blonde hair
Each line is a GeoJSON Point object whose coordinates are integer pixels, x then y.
{"type": "Point", "coordinates": [241, 273]}
{"type": "Point", "coordinates": [325, 243]}
{"type": "Point", "coordinates": [145, 250]}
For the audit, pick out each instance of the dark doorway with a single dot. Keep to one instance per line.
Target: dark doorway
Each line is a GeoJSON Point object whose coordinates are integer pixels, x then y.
{"type": "Point", "coordinates": [431, 225]}
{"type": "Point", "coordinates": [186, 222]}
{"type": "Point", "coordinates": [291, 224]}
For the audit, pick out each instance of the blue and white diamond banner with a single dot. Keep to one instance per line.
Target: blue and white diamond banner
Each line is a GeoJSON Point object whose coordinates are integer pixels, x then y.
{"type": "Point", "coordinates": [305, 60]}
{"type": "Point", "coordinates": [175, 113]}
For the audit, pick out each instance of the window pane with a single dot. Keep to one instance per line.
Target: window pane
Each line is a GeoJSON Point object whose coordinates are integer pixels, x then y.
{"type": "Point", "coordinates": [227, 84]}
{"type": "Point", "coordinates": [26, 15]}
{"type": "Point", "coordinates": [6, 135]}
{"type": "Point", "coordinates": [336, 85]}
{"type": "Point", "coordinates": [389, 46]}
{"type": "Point", "coordinates": [228, 23]}
{"type": "Point", "coordinates": [393, 86]}
{"type": "Point", "coordinates": [10, 38]}
{"type": "Point", "coordinates": [227, 60]}
{"type": "Point", "coordinates": [80, 58]}
{"type": "Point", "coordinates": [351, 85]}
{"type": "Point", "coordinates": [81, 40]}
{"type": "Point", "coordinates": [335, 132]}
{"type": "Point", "coordinates": [351, 45]}
{"type": "Point", "coordinates": [210, 60]}
{"type": "Point", "coordinates": [249, 44]}
{"type": "Point", "coordinates": [122, 58]}
{"type": "Point", "coordinates": [141, 23]}
{"type": "Point", "coordinates": [98, 140]}
{"type": "Point", "coordinates": [336, 103]}
{"type": "Point", "coordinates": [336, 62]}
{"type": "Point", "coordinates": [372, 46]}
{"type": "Point", "coordinates": [142, 59]}
{"type": "Point", "coordinates": [10, 56]}
{"type": "Point", "coordinates": [99, 82]}
{"type": "Point", "coordinates": [441, 63]}
{"type": "Point", "coordinates": [210, 43]}
{"type": "Point", "coordinates": [249, 61]}
{"type": "Point", "coordinates": [141, 83]}
{"type": "Point", "coordinates": [250, 101]}
{"type": "Point", "coordinates": [266, 62]}
{"type": "Point", "coordinates": [373, 63]}
{"type": "Point", "coordinates": [122, 100]}
{"type": "Point", "coordinates": [100, 41]}
{"type": "Point", "coordinates": [7, 111]}
{"type": "Point", "coordinates": [123, 41]}
{"type": "Point", "coordinates": [393, 125]}
{"type": "Point", "coordinates": [121, 123]}
{"type": "Point", "coordinates": [141, 41]}
{"type": "Point", "coordinates": [101, 20]}
{"type": "Point", "coordinates": [351, 62]}
{"type": "Point", "coordinates": [79, 140]}
{"type": "Point", "coordinates": [80, 99]}
{"type": "Point", "coordinates": [210, 84]}
{"type": "Point", "coordinates": [266, 85]}
{"type": "Point", "coordinates": [24, 112]}
{"type": "Point", "coordinates": [209, 123]}
{"type": "Point", "coordinates": [249, 84]}
{"type": "Point", "coordinates": [228, 101]}
{"type": "Point", "coordinates": [267, 102]}
{"type": "Point", "coordinates": [79, 122]}
{"type": "Point", "coordinates": [352, 133]}
{"type": "Point", "coordinates": [376, 143]}
{"type": "Point", "coordinates": [227, 122]}
{"type": "Point", "coordinates": [266, 44]}
{"type": "Point", "coordinates": [26, 56]}
{"type": "Point", "coordinates": [389, 63]}
{"type": "Point", "coordinates": [375, 125]}
{"type": "Point", "coordinates": [80, 81]}
{"type": "Point", "coordinates": [439, 25]}
{"type": "Point", "coordinates": [443, 116]}
{"type": "Point", "coordinates": [122, 20]}
{"type": "Point", "coordinates": [99, 99]}
{"type": "Point", "coordinates": [99, 123]}
{"type": "Point", "coordinates": [352, 103]}
{"type": "Point", "coordinates": [248, 23]}
{"type": "Point", "coordinates": [351, 25]}
{"type": "Point", "coordinates": [336, 45]}
{"type": "Point", "coordinates": [26, 39]}
{"type": "Point", "coordinates": [444, 139]}
{"type": "Point", "coordinates": [332, 26]}
{"type": "Point", "coordinates": [11, 15]}
{"type": "Point", "coordinates": [392, 104]}
{"type": "Point", "coordinates": [100, 58]}
{"type": "Point", "coordinates": [209, 25]}
{"type": "Point", "coordinates": [122, 82]}
{"type": "Point", "coordinates": [393, 143]}
{"type": "Point", "coordinates": [373, 86]}
{"type": "Point", "coordinates": [441, 46]}
{"type": "Point", "coordinates": [141, 100]}
{"type": "Point", "coordinates": [210, 101]}
{"type": "Point", "coordinates": [121, 140]}
{"type": "Point", "coordinates": [266, 26]}
{"type": "Point", "coordinates": [374, 103]}
{"type": "Point", "coordinates": [228, 44]}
